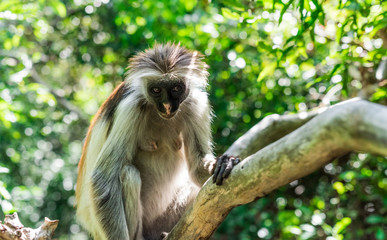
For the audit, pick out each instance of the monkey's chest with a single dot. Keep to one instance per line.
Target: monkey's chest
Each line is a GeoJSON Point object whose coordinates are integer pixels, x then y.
{"type": "Point", "coordinates": [159, 161]}
{"type": "Point", "coordinates": [159, 141]}
{"type": "Point", "coordinates": [159, 153]}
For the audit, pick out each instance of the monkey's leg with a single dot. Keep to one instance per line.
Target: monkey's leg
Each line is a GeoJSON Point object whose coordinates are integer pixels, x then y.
{"type": "Point", "coordinates": [185, 195]}
{"type": "Point", "coordinates": [109, 205]}
{"type": "Point", "coordinates": [131, 189]}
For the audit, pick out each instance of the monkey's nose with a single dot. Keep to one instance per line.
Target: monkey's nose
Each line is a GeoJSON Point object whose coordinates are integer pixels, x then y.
{"type": "Point", "coordinates": [167, 108]}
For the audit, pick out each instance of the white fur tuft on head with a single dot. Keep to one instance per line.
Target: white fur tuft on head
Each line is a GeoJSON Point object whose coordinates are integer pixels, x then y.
{"type": "Point", "coordinates": [167, 59]}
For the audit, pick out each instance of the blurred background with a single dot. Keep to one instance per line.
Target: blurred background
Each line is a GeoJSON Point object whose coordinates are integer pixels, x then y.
{"type": "Point", "coordinates": [60, 59]}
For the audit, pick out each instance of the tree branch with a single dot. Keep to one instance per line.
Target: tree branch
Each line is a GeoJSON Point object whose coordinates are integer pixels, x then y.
{"type": "Point", "coordinates": [13, 229]}
{"type": "Point", "coordinates": [269, 130]}
{"type": "Point", "coordinates": [350, 126]}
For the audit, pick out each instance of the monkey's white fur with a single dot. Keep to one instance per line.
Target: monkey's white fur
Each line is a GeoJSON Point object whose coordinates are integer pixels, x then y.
{"type": "Point", "coordinates": [154, 167]}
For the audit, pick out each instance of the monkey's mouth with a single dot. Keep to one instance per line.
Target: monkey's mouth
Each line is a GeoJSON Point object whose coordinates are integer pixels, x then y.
{"type": "Point", "coordinates": [167, 116]}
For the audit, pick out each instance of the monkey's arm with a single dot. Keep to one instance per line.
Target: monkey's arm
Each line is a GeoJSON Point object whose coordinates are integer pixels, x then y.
{"type": "Point", "coordinates": [197, 139]}
{"type": "Point", "coordinates": [198, 147]}
{"type": "Point", "coordinates": [200, 160]}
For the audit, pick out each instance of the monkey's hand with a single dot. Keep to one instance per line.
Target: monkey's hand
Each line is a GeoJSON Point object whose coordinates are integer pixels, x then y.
{"type": "Point", "coordinates": [223, 167]}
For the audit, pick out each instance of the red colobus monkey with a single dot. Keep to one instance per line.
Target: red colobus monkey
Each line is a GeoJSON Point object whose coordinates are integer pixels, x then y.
{"type": "Point", "coordinates": [149, 148]}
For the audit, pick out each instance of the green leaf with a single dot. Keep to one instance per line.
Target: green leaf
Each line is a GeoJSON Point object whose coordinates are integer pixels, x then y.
{"type": "Point", "coordinates": [267, 70]}
{"type": "Point", "coordinates": [7, 5]}
{"type": "Point", "coordinates": [285, 52]}
{"type": "Point", "coordinates": [334, 70]}
{"type": "Point", "coordinates": [339, 187]}
{"type": "Point", "coordinates": [380, 234]}
{"type": "Point", "coordinates": [189, 5]}
{"type": "Point", "coordinates": [341, 225]}
{"type": "Point", "coordinates": [327, 229]}
{"type": "Point", "coordinates": [236, 5]}
{"type": "Point", "coordinates": [340, 32]}
{"type": "Point", "coordinates": [301, 11]}
{"type": "Point", "coordinates": [348, 175]}
{"type": "Point", "coordinates": [265, 46]}
{"type": "Point", "coordinates": [379, 94]}
{"type": "Point", "coordinates": [317, 4]}
{"type": "Point", "coordinates": [284, 10]}
{"type": "Point", "coordinates": [345, 81]}
{"type": "Point", "coordinates": [374, 219]}
{"type": "Point", "coordinates": [317, 80]}
{"type": "Point", "coordinates": [59, 7]}
{"type": "Point", "coordinates": [4, 192]}
{"type": "Point", "coordinates": [227, 13]}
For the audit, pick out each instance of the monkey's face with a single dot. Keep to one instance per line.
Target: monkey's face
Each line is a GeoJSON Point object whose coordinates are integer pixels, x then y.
{"type": "Point", "coordinates": [167, 96]}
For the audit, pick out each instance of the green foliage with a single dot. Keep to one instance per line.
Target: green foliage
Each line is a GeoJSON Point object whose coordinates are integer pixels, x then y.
{"type": "Point", "coordinates": [60, 59]}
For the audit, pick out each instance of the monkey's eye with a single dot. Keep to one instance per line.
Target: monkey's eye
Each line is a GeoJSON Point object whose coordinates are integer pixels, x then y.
{"type": "Point", "coordinates": [177, 88]}
{"type": "Point", "coordinates": [156, 90]}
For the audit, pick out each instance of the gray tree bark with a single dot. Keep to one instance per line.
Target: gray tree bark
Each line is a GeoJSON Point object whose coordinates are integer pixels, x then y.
{"type": "Point", "coordinates": [286, 149]}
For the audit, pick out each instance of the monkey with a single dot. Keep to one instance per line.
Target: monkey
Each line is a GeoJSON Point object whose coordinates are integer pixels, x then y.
{"type": "Point", "coordinates": [149, 148]}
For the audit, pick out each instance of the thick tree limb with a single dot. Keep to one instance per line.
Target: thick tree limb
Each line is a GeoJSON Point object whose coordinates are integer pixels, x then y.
{"type": "Point", "coordinates": [13, 229]}
{"type": "Point", "coordinates": [351, 126]}
{"type": "Point", "coordinates": [269, 130]}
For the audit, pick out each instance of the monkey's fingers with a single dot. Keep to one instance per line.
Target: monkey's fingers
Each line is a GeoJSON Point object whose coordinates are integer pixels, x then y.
{"type": "Point", "coordinates": [219, 178]}
{"type": "Point", "coordinates": [235, 161]}
{"type": "Point", "coordinates": [232, 161]}
{"type": "Point", "coordinates": [229, 166]}
{"type": "Point", "coordinates": [218, 166]}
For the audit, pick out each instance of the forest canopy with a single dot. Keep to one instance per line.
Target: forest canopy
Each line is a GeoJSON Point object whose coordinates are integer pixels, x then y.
{"type": "Point", "coordinates": [59, 60]}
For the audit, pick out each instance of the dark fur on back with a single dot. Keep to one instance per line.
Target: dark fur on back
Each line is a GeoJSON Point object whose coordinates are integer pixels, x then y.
{"type": "Point", "coordinates": [166, 59]}
{"type": "Point", "coordinates": [110, 105]}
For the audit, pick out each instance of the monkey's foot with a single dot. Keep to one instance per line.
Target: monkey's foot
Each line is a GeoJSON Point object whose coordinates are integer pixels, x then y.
{"type": "Point", "coordinates": [223, 167]}
{"type": "Point", "coordinates": [163, 235]}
